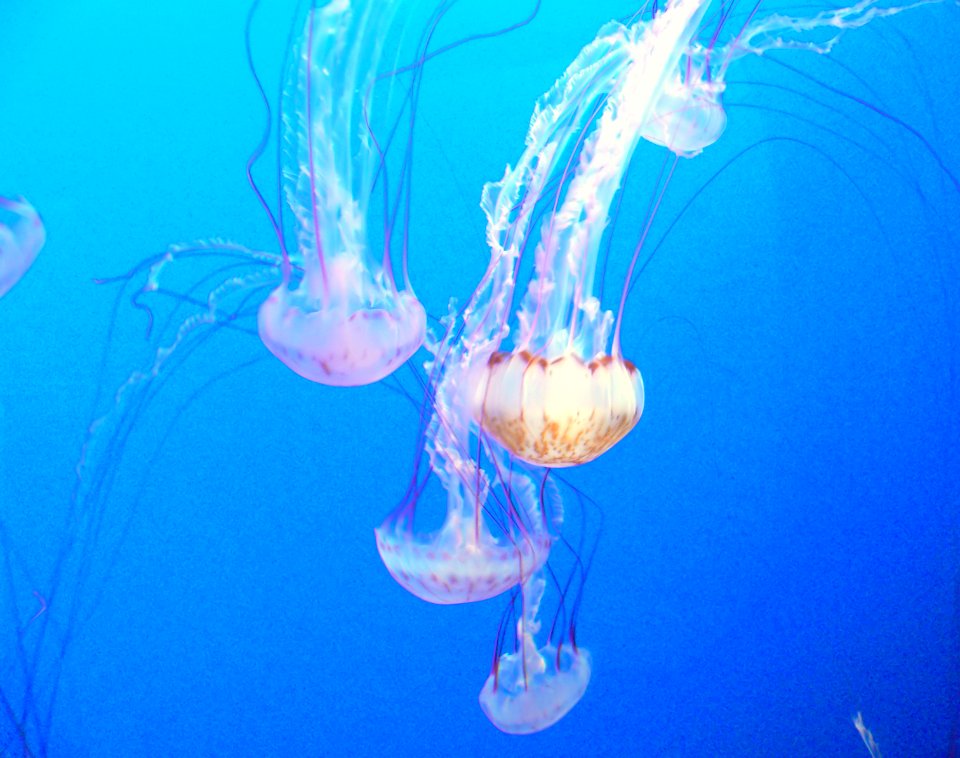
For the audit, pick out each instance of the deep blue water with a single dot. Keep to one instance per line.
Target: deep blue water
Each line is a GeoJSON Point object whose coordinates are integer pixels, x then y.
{"type": "Point", "coordinates": [780, 539]}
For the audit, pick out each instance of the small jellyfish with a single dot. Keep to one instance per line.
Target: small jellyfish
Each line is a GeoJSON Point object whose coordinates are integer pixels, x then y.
{"type": "Point", "coordinates": [21, 237]}
{"type": "Point", "coordinates": [531, 688]}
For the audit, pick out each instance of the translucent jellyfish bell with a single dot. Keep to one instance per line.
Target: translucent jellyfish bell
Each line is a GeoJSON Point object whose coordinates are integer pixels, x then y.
{"type": "Point", "coordinates": [344, 322]}
{"type": "Point", "coordinates": [350, 337]}
{"type": "Point", "coordinates": [688, 116]}
{"type": "Point", "coordinates": [532, 688]}
{"type": "Point", "coordinates": [459, 564]}
{"type": "Point", "coordinates": [465, 560]}
{"type": "Point", "coordinates": [22, 235]}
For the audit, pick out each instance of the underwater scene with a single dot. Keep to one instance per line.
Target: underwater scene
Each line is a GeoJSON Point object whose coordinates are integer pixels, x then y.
{"type": "Point", "coordinates": [472, 377]}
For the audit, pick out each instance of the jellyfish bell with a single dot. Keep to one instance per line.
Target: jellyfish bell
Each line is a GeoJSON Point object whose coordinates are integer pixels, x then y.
{"type": "Point", "coordinates": [687, 118]}
{"type": "Point", "coordinates": [356, 341]}
{"type": "Point", "coordinates": [344, 322]}
{"type": "Point", "coordinates": [460, 563]}
{"type": "Point", "coordinates": [533, 690]}
{"type": "Point", "coordinates": [559, 412]}
{"type": "Point", "coordinates": [22, 235]}
{"type": "Point", "coordinates": [493, 538]}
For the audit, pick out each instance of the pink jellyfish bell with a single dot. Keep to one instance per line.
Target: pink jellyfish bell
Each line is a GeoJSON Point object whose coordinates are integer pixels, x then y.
{"type": "Point", "coordinates": [495, 531]}
{"type": "Point", "coordinates": [21, 236]}
{"type": "Point", "coordinates": [343, 321]}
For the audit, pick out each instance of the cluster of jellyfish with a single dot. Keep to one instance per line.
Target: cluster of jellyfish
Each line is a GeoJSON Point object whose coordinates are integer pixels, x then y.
{"type": "Point", "coordinates": [530, 375]}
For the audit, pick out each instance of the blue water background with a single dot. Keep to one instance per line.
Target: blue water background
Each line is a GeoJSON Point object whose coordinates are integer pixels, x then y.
{"type": "Point", "coordinates": [780, 543]}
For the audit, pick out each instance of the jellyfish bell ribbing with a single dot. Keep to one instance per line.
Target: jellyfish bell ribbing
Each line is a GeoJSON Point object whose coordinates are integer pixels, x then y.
{"type": "Point", "coordinates": [559, 412]}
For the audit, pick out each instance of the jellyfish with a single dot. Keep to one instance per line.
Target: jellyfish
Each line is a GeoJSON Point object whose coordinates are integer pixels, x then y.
{"type": "Point", "coordinates": [344, 322]}
{"type": "Point", "coordinates": [327, 304]}
{"type": "Point", "coordinates": [532, 688]}
{"type": "Point", "coordinates": [498, 522]}
{"type": "Point", "coordinates": [537, 680]}
{"type": "Point", "coordinates": [564, 393]}
{"type": "Point", "coordinates": [21, 237]}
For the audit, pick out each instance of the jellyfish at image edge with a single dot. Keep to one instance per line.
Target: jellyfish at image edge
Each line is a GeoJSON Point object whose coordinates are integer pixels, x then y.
{"type": "Point", "coordinates": [564, 394]}
{"type": "Point", "coordinates": [21, 237]}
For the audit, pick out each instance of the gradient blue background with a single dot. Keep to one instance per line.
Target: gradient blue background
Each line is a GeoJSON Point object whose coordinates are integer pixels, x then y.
{"type": "Point", "coordinates": [780, 547]}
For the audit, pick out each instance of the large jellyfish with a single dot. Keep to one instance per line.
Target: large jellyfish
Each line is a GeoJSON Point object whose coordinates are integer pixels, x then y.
{"type": "Point", "coordinates": [21, 237]}
{"type": "Point", "coordinates": [344, 322]}
{"type": "Point", "coordinates": [564, 393]}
